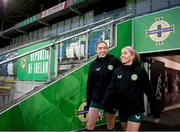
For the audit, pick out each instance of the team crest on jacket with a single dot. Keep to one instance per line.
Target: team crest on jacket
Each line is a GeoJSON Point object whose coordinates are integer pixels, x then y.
{"type": "Point", "coordinates": [110, 67]}
{"type": "Point", "coordinates": [134, 77]}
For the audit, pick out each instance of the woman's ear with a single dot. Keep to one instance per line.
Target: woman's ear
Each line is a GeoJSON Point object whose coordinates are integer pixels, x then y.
{"type": "Point", "coordinates": [133, 56]}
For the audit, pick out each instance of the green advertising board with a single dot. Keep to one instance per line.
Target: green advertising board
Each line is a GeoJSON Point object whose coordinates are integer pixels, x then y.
{"type": "Point", "coordinates": [158, 31]}
{"type": "Point", "coordinates": [35, 66]}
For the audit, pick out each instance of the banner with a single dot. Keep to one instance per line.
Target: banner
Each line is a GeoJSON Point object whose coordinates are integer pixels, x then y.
{"type": "Point", "coordinates": [27, 21]}
{"type": "Point", "coordinates": [35, 66]}
{"type": "Point", "coordinates": [53, 10]}
{"type": "Point", "coordinates": [157, 31]}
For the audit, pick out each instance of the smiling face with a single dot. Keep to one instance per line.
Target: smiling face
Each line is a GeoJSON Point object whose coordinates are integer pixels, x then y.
{"type": "Point", "coordinates": [127, 56]}
{"type": "Point", "coordinates": [101, 49]}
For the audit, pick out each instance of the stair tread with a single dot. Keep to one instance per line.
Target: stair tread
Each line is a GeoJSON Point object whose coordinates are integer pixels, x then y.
{"type": "Point", "coordinates": [7, 81]}
{"type": "Point", "coordinates": [5, 87]}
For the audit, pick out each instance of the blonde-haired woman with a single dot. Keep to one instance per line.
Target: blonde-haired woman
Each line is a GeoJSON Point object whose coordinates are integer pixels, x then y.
{"type": "Point", "coordinates": [128, 85]}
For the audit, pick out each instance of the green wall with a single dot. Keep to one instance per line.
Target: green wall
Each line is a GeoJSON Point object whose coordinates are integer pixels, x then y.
{"type": "Point", "coordinates": [123, 36]}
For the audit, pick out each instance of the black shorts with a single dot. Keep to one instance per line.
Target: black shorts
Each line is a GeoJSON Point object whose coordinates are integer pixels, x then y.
{"type": "Point", "coordinates": [97, 105]}
{"type": "Point", "coordinates": [134, 118]}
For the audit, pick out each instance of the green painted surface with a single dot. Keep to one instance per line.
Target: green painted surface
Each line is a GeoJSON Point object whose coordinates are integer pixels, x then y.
{"type": "Point", "coordinates": [123, 36]}
{"type": "Point", "coordinates": [54, 108]}
{"type": "Point", "coordinates": [165, 30]}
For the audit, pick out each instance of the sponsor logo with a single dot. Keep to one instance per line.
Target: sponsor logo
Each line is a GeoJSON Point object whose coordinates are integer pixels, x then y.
{"type": "Point", "coordinates": [137, 117]}
{"type": "Point", "coordinates": [119, 76]}
{"type": "Point", "coordinates": [98, 69]}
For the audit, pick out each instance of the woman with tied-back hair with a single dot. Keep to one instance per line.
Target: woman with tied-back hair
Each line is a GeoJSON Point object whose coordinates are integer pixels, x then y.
{"type": "Point", "coordinates": [129, 83]}
{"type": "Point", "coordinates": [99, 77]}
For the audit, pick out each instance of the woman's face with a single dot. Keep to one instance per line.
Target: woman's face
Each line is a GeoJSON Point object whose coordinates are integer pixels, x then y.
{"type": "Point", "coordinates": [101, 50]}
{"type": "Point", "coordinates": [126, 56]}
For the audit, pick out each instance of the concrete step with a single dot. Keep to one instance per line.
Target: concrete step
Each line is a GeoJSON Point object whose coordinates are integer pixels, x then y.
{"type": "Point", "coordinates": [5, 87]}
{"type": "Point", "coordinates": [10, 81]}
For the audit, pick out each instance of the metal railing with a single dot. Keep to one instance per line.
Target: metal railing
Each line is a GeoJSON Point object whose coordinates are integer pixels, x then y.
{"type": "Point", "coordinates": [59, 41]}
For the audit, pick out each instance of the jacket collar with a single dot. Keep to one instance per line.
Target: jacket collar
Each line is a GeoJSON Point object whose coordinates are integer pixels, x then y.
{"type": "Point", "coordinates": [102, 59]}
{"type": "Point", "coordinates": [133, 65]}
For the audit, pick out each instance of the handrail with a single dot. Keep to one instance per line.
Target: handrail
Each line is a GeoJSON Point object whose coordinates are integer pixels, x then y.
{"type": "Point", "coordinates": [73, 30]}
{"type": "Point", "coordinates": [57, 42]}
